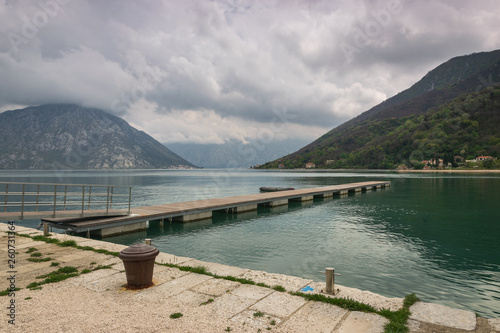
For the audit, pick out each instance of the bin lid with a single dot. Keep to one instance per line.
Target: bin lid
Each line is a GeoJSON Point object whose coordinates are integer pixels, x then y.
{"type": "Point", "coordinates": [139, 250]}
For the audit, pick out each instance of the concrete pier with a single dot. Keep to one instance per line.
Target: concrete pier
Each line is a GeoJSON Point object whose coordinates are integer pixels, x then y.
{"type": "Point", "coordinates": [190, 211]}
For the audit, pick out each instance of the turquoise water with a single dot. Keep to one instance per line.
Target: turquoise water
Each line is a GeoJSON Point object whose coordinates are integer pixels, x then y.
{"type": "Point", "coordinates": [432, 234]}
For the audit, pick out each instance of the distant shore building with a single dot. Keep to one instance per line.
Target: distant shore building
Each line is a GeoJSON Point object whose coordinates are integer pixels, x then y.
{"type": "Point", "coordinates": [310, 166]}
{"type": "Point", "coordinates": [281, 166]}
{"type": "Point", "coordinates": [484, 158]}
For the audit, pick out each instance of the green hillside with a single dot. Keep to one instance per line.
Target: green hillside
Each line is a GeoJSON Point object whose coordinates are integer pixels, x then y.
{"type": "Point", "coordinates": [453, 111]}
{"type": "Point", "coordinates": [467, 127]}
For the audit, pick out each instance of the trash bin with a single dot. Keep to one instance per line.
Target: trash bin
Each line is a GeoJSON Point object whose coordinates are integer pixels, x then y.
{"type": "Point", "coordinates": [139, 260]}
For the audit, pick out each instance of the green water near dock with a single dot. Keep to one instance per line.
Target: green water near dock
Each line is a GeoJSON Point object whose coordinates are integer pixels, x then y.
{"type": "Point", "coordinates": [431, 233]}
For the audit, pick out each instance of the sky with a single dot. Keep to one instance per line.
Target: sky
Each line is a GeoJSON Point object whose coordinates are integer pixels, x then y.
{"type": "Point", "coordinates": [228, 70]}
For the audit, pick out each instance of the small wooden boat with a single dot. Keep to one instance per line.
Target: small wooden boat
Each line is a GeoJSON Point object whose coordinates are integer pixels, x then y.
{"type": "Point", "coordinates": [275, 189]}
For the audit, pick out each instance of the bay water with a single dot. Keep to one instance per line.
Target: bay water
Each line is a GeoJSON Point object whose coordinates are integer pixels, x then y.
{"type": "Point", "coordinates": [433, 234]}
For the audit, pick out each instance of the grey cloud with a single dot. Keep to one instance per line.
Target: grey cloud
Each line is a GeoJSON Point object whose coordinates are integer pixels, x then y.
{"type": "Point", "coordinates": [238, 59]}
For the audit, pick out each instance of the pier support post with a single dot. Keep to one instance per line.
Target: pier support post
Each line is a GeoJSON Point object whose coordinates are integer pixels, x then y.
{"type": "Point", "coordinates": [148, 241]}
{"type": "Point", "coordinates": [45, 229]}
{"type": "Point", "coordinates": [302, 198]}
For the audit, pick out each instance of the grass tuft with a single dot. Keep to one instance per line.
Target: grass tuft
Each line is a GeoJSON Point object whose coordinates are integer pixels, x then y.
{"type": "Point", "coordinates": [39, 259]}
{"type": "Point", "coordinates": [211, 300]}
{"type": "Point", "coordinates": [258, 314]}
{"type": "Point", "coordinates": [279, 288]}
{"type": "Point", "coordinates": [68, 243]}
{"type": "Point", "coordinates": [176, 315]}
{"type": "Point", "coordinates": [61, 274]}
{"type": "Point", "coordinates": [345, 303]}
{"type": "Point", "coordinates": [7, 291]}
{"type": "Point", "coordinates": [410, 300]}
{"type": "Point", "coordinates": [45, 239]}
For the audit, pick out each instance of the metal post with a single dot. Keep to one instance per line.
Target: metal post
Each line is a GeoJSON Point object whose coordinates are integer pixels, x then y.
{"type": "Point", "coordinates": [6, 195]}
{"type": "Point", "coordinates": [148, 241]}
{"type": "Point", "coordinates": [55, 200]}
{"type": "Point", "coordinates": [37, 195]}
{"type": "Point", "coordinates": [22, 204]}
{"type": "Point", "coordinates": [330, 280]}
{"type": "Point", "coordinates": [107, 202]}
{"type": "Point", "coordinates": [90, 195]}
{"type": "Point", "coordinates": [111, 199]}
{"type": "Point", "coordinates": [65, 195]}
{"type": "Point", "coordinates": [45, 229]}
{"type": "Point", "coordinates": [129, 198]}
{"type": "Point", "coordinates": [83, 198]}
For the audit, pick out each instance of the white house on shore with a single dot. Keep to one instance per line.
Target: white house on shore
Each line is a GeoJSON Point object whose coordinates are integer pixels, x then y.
{"type": "Point", "coordinates": [310, 165]}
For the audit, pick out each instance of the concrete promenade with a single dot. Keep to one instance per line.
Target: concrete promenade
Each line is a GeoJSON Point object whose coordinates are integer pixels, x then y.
{"type": "Point", "coordinates": [98, 302]}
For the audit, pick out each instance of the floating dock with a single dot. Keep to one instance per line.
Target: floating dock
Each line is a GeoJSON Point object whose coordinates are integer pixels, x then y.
{"type": "Point", "coordinates": [190, 211]}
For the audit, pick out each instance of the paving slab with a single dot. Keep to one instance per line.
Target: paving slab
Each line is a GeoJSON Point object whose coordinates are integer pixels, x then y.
{"type": "Point", "coordinates": [107, 282]}
{"type": "Point", "coordinates": [362, 322]}
{"type": "Point", "coordinates": [96, 244]}
{"type": "Point", "coordinates": [215, 287]}
{"type": "Point", "coordinates": [279, 304]}
{"type": "Point", "coordinates": [72, 256]}
{"type": "Point", "coordinates": [166, 258]}
{"type": "Point", "coordinates": [217, 269]}
{"type": "Point", "coordinates": [189, 299]}
{"type": "Point", "coordinates": [256, 324]}
{"type": "Point", "coordinates": [314, 317]}
{"type": "Point", "coordinates": [413, 325]}
{"type": "Point", "coordinates": [443, 315]}
{"type": "Point", "coordinates": [24, 243]}
{"type": "Point", "coordinates": [290, 283]}
{"type": "Point", "coordinates": [494, 323]}
{"type": "Point", "coordinates": [229, 305]}
{"type": "Point", "coordinates": [93, 279]}
{"type": "Point", "coordinates": [173, 287]}
{"type": "Point", "coordinates": [163, 274]}
{"type": "Point", "coordinates": [252, 292]}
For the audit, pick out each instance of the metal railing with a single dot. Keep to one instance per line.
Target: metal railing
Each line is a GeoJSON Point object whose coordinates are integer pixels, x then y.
{"type": "Point", "coordinates": [18, 199]}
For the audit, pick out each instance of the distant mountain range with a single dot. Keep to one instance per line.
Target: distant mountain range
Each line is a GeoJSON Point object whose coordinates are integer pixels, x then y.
{"type": "Point", "coordinates": [235, 154]}
{"type": "Point", "coordinates": [452, 111]}
{"type": "Point", "coordinates": [66, 136]}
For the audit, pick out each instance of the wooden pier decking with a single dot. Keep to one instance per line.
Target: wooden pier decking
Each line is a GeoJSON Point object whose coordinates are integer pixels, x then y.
{"type": "Point", "coordinates": [202, 209]}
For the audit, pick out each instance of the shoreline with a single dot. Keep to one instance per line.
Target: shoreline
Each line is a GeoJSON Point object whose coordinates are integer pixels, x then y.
{"type": "Point", "coordinates": [391, 170]}
{"type": "Point", "coordinates": [204, 300]}
{"type": "Point", "coordinates": [450, 171]}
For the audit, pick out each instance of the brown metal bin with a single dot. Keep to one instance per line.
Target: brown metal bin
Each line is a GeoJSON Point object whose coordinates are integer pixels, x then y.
{"type": "Point", "coordinates": [139, 260]}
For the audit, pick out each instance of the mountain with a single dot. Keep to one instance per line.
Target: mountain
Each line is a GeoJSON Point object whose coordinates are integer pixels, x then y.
{"type": "Point", "coordinates": [465, 86]}
{"type": "Point", "coordinates": [234, 153]}
{"type": "Point", "coordinates": [66, 136]}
